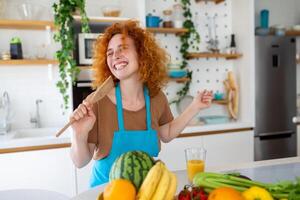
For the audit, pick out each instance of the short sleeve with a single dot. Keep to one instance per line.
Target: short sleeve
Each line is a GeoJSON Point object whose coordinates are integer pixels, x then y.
{"type": "Point", "coordinates": [93, 134]}
{"type": "Point", "coordinates": [166, 115]}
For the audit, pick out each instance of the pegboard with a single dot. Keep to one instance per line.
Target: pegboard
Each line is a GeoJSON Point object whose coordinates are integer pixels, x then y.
{"type": "Point", "coordinates": [207, 73]}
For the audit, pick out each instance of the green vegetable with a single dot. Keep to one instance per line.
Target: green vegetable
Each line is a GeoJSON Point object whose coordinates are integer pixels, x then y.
{"type": "Point", "coordinates": [283, 189]}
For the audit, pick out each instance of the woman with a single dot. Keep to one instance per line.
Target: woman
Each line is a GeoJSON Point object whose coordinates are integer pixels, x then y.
{"type": "Point", "coordinates": [135, 115]}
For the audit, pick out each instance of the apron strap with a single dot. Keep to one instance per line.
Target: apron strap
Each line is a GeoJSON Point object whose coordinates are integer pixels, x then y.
{"type": "Point", "coordinates": [148, 110]}
{"type": "Point", "coordinates": [120, 108]}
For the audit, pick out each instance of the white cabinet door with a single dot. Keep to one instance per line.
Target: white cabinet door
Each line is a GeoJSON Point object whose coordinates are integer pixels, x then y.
{"type": "Point", "coordinates": [221, 149]}
{"type": "Point", "coordinates": [83, 177]}
{"type": "Point", "coordinates": [45, 169]}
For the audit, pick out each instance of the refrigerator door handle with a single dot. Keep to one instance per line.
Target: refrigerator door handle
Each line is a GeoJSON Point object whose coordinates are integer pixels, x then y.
{"type": "Point", "coordinates": [276, 133]}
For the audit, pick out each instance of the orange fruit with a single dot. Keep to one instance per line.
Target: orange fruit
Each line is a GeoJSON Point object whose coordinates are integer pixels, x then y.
{"type": "Point", "coordinates": [119, 189]}
{"type": "Point", "coordinates": [225, 193]}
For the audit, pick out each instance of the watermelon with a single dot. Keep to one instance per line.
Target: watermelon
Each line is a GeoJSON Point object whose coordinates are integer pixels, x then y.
{"type": "Point", "coordinates": [133, 166]}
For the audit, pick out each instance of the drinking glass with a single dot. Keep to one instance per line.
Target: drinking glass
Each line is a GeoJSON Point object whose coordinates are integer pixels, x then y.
{"type": "Point", "coordinates": [195, 161]}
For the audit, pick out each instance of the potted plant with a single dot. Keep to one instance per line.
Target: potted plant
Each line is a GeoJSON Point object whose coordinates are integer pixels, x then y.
{"type": "Point", "coordinates": [63, 19]}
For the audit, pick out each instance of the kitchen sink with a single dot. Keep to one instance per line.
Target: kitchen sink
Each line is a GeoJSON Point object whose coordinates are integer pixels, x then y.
{"type": "Point", "coordinates": [35, 133]}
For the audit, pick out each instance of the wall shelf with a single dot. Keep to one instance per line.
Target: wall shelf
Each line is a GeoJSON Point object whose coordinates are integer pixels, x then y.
{"type": "Point", "coordinates": [25, 24]}
{"type": "Point", "coordinates": [102, 19]}
{"type": "Point", "coordinates": [292, 33]}
{"type": "Point", "coordinates": [179, 80]}
{"type": "Point", "coordinates": [213, 55]}
{"type": "Point", "coordinates": [221, 102]}
{"type": "Point", "coordinates": [215, 1]}
{"type": "Point", "coordinates": [28, 62]}
{"type": "Point", "coordinates": [177, 31]}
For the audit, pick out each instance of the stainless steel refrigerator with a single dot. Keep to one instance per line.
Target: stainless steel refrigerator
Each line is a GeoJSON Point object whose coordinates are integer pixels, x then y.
{"type": "Point", "coordinates": [275, 97]}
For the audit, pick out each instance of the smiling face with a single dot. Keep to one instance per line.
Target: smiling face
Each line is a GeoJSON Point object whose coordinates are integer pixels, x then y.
{"type": "Point", "coordinates": [122, 58]}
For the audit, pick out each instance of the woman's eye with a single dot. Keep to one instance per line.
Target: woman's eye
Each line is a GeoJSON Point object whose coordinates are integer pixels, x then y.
{"type": "Point", "coordinates": [124, 48]}
{"type": "Point", "coordinates": [109, 54]}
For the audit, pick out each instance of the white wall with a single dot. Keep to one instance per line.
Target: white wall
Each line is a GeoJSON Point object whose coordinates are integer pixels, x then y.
{"type": "Point", "coordinates": [27, 83]}
{"type": "Point", "coordinates": [281, 12]}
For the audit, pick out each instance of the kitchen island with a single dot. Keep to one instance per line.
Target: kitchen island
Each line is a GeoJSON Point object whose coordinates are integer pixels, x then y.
{"type": "Point", "coordinates": [265, 171]}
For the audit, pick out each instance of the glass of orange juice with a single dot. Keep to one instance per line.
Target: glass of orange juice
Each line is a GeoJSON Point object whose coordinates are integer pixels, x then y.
{"type": "Point", "coordinates": [195, 161]}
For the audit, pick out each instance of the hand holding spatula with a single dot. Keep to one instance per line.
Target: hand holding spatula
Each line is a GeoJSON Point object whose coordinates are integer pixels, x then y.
{"type": "Point", "coordinates": [101, 92]}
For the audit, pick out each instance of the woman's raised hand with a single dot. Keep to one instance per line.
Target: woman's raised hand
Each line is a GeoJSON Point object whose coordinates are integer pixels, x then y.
{"type": "Point", "coordinates": [203, 99]}
{"type": "Point", "coordinates": [85, 119]}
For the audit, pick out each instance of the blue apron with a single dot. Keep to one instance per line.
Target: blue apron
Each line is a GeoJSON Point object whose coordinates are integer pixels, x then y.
{"type": "Point", "coordinates": [126, 140]}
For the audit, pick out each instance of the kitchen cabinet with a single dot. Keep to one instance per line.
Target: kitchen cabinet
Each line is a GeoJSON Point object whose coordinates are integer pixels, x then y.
{"type": "Point", "coordinates": [222, 149]}
{"type": "Point", "coordinates": [83, 177]}
{"type": "Point", "coordinates": [46, 169]}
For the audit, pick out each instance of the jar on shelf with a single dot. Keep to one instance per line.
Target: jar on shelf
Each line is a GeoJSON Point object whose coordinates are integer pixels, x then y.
{"type": "Point", "coordinates": [178, 16]}
{"type": "Point", "coordinates": [5, 55]}
{"type": "Point", "coordinates": [167, 19]}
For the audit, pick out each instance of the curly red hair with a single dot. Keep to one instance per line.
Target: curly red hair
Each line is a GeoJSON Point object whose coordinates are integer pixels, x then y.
{"type": "Point", "coordinates": [152, 58]}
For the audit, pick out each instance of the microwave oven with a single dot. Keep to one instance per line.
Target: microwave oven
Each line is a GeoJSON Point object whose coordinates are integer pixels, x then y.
{"type": "Point", "coordinates": [85, 47]}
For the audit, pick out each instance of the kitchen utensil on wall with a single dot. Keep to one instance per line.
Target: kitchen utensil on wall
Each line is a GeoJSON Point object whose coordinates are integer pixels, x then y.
{"type": "Point", "coordinates": [152, 21]}
{"type": "Point", "coordinates": [213, 43]}
{"type": "Point", "coordinates": [232, 95]}
{"type": "Point", "coordinates": [101, 92]}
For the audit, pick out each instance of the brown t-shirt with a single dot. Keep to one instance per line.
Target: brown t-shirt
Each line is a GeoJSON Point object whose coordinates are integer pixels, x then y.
{"type": "Point", "coordinates": [107, 121]}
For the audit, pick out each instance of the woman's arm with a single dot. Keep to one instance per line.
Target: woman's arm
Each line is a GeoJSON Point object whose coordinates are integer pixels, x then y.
{"type": "Point", "coordinates": [172, 129]}
{"type": "Point", "coordinates": [82, 151]}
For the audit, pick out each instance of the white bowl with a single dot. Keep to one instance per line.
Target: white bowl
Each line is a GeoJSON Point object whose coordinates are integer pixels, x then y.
{"type": "Point", "coordinates": [111, 11]}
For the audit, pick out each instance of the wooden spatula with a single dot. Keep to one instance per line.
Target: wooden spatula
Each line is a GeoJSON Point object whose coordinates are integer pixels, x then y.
{"type": "Point", "coordinates": [101, 92]}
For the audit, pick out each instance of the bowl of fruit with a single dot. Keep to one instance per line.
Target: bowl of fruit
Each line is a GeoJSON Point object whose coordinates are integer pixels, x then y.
{"type": "Point", "coordinates": [146, 179]}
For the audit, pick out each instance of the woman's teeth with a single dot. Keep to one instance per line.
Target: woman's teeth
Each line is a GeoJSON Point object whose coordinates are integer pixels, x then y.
{"type": "Point", "coordinates": [120, 66]}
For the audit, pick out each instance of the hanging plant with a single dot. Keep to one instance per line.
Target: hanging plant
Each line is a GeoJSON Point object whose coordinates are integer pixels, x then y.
{"type": "Point", "coordinates": [63, 19]}
{"type": "Point", "coordinates": [189, 39]}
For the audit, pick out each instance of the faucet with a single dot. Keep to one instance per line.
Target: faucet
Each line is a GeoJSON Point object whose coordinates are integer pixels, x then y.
{"type": "Point", "coordinates": [4, 114]}
{"type": "Point", "coordinates": [37, 119]}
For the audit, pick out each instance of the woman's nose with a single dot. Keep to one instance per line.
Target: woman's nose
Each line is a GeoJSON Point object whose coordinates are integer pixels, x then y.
{"type": "Point", "coordinates": [117, 54]}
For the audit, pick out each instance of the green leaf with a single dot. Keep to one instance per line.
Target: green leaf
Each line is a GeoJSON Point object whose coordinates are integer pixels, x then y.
{"type": "Point", "coordinates": [63, 18]}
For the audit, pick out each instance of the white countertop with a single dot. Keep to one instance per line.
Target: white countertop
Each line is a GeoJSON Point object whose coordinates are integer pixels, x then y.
{"type": "Point", "coordinates": [216, 127]}
{"type": "Point", "coordinates": [33, 137]}
{"type": "Point", "coordinates": [182, 175]}
{"type": "Point", "coordinates": [10, 141]}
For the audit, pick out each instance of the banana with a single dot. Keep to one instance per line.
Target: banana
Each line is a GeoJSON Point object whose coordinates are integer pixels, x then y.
{"type": "Point", "coordinates": [151, 182]}
{"type": "Point", "coordinates": [163, 185]}
{"type": "Point", "coordinates": [172, 187]}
